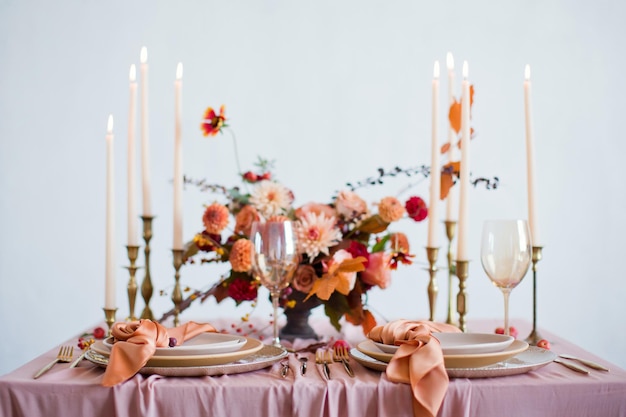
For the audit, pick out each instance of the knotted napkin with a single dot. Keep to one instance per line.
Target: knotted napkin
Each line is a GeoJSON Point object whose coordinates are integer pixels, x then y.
{"type": "Point", "coordinates": [136, 342]}
{"type": "Point", "coordinates": [418, 361]}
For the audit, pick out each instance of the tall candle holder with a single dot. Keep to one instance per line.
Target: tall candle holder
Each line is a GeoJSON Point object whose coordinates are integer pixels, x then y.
{"type": "Point", "coordinates": [177, 295]}
{"type": "Point", "coordinates": [462, 271]}
{"type": "Point", "coordinates": [433, 289]}
{"type": "Point", "coordinates": [450, 232]}
{"type": "Point", "coordinates": [133, 252]}
{"type": "Point", "coordinates": [534, 335]}
{"type": "Point", "coordinates": [146, 285]}
{"type": "Point", "coordinates": [109, 318]}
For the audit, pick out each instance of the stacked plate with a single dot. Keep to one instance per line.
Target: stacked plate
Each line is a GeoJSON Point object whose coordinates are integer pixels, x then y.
{"type": "Point", "coordinates": [467, 355]}
{"type": "Point", "coordinates": [205, 354]}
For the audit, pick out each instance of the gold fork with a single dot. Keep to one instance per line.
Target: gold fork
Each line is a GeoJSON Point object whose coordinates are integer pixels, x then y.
{"type": "Point", "coordinates": [321, 360]}
{"type": "Point", "coordinates": [64, 355]}
{"type": "Point", "coordinates": [340, 354]}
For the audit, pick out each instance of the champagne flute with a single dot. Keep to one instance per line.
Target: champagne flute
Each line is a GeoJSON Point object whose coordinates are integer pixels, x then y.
{"type": "Point", "coordinates": [274, 260]}
{"type": "Point", "coordinates": [505, 254]}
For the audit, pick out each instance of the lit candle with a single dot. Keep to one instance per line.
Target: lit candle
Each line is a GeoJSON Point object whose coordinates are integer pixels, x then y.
{"type": "Point", "coordinates": [435, 176]}
{"type": "Point", "coordinates": [145, 148]}
{"type": "Point", "coordinates": [462, 254]}
{"type": "Point", "coordinates": [451, 136]}
{"type": "Point", "coordinates": [109, 262]}
{"type": "Point", "coordinates": [178, 161]}
{"type": "Point", "coordinates": [530, 161]}
{"type": "Point", "coordinates": [132, 211]}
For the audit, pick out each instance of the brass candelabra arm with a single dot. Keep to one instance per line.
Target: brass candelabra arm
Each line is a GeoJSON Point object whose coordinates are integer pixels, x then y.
{"type": "Point", "coordinates": [177, 295]}
{"type": "Point", "coordinates": [462, 271]}
{"type": "Point", "coordinates": [433, 290]}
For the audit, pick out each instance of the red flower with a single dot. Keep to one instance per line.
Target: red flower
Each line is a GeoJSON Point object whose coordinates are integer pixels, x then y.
{"type": "Point", "coordinates": [400, 258]}
{"type": "Point", "coordinates": [357, 249]}
{"type": "Point", "coordinates": [416, 208]}
{"type": "Point", "coordinates": [242, 290]}
{"type": "Point", "coordinates": [213, 122]}
{"type": "Point", "coordinates": [207, 242]}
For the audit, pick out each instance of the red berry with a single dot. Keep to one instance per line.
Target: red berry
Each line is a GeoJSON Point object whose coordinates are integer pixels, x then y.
{"type": "Point", "coordinates": [341, 344]}
{"type": "Point", "coordinates": [266, 176]}
{"type": "Point", "coordinates": [512, 331]}
{"type": "Point", "coordinates": [250, 176]}
{"type": "Point", "coordinates": [544, 344]}
{"type": "Point", "coordinates": [98, 333]}
{"type": "Point", "coordinates": [173, 341]}
{"type": "Point", "coordinates": [499, 330]}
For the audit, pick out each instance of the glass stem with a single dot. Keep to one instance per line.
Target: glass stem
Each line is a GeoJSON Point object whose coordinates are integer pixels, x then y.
{"type": "Point", "coordinates": [275, 296]}
{"type": "Point", "coordinates": [506, 292]}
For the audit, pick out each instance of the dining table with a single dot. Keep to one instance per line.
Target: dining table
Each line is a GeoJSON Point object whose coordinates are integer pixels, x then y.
{"type": "Point", "coordinates": [280, 389]}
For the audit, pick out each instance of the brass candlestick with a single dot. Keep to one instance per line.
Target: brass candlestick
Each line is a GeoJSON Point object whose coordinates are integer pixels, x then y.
{"type": "Point", "coordinates": [450, 232]}
{"type": "Point", "coordinates": [433, 289]}
{"type": "Point", "coordinates": [462, 271]}
{"type": "Point", "coordinates": [534, 335]}
{"type": "Point", "coordinates": [177, 295]}
{"type": "Point", "coordinates": [146, 285]}
{"type": "Point", "coordinates": [109, 318]}
{"type": "Point", "coordinates": [132, 251]}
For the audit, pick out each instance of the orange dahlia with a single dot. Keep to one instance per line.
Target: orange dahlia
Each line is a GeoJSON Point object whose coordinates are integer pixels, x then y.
{"type": "Point", "coordinates": [215, 218]}
{"type": "Point", "coordinates": [390, 209]}
{"type": "Point", "coordinates": [241, 255]}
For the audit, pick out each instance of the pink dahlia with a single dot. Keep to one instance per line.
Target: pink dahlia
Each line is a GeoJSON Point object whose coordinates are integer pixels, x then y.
{"type": "Point", "coordinates": [316, 233]}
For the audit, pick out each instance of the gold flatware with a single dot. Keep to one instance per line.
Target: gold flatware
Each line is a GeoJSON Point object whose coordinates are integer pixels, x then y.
{"type": "Point", "coordinates": [64, 355]}
{"type": "Point", "coordinates": [285, 369]}
{"type": "Point", "coordinates": [585, 362]}
{"type": "Point", "coordinates": [80, 358]}
{"type": "Point", "coordinates": [572, 366]}
{"type": "Point", "coordinates": [322, 361]}
{"type": "Point", "coordinates": [303, 362]}
{"type": "Point", "coordinates": [340, 354]}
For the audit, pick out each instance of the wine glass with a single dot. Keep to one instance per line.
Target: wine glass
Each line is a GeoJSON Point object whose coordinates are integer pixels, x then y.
{"type": "Point", "coordinates": [505, 254]}
{"type": "Point", "coordinates": [274, 260]}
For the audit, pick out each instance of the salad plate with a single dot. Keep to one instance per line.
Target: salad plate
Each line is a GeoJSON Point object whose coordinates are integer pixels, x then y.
{"type": "Point", "coordinates": [203, 344]}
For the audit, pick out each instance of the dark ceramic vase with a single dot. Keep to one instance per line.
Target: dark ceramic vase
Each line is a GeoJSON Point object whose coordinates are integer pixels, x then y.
{"type": "Point", "coordinates": [298, 318]}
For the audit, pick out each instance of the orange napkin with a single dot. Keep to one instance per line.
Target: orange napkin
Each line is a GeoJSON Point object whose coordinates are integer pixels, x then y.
{"type": "Point", "coordinates": [418, 361]}
{"type": "Point", "coordinates": [136, 343]}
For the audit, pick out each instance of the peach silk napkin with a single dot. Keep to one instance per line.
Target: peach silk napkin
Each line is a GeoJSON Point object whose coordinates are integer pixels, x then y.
{"type": "Point", "coordinates": [418, 361]}
{"type": "Point", "coordinates": [136, 343]}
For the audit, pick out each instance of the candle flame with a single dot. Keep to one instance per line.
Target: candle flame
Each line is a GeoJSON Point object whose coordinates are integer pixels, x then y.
{"type": "Point", "coordinates": [132, 75]}
{"type": "Point", "coordinates": [143, 55]}
{"type": "Point", "coordinates": [179, 71]}
{"type": "Point", "coordinates": [436, 70]}
{"type": "Point", "coordinates": [465, 70]}
{"type": "Point", "coordinates": [527, 72]}
{"type": "Point", "coordinates": [450, 61]}
{"type": "Point", "coordinates": [110, 124]}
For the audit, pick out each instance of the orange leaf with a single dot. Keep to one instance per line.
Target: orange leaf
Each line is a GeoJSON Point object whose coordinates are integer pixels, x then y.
{"type": "Point", "coordinates": [373, 224]}
{"type": "Point", "coordinates": [323, 287]}
{"type": "Point", "coordinates": [352, 265]}
{"type": "Point", "coordinates": [471, 94]}
{"type": "Point", "coordinates": [455, 116]}
{"type": "Point", "coordinates": [448, 172]}
{"type": "Point", "coordinates": [445, 147]}
{"type": "Point", "coordinates": [369, 322]}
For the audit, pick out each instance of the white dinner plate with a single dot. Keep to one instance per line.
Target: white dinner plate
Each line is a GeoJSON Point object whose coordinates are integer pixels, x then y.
{"type": "Point", "coordinates": [473, 360]}
{"type": "Point", "coordinates": [251, 346]}
{"type": "Point", "coordinates": [265, 357]}
{"type": "Point", "coordinates": [531, 359]}
{"type": "Point", "coordinates": [202, 344]}
{"type": "Point", "coordinates": [463, 343]}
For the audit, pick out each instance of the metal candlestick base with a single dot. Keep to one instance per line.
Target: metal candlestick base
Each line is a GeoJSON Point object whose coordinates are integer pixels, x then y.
{"type": "Point", "coordinates": [450, 232]}
{"type": "Point", "coordinates": [534, 335]}
{"type": "Point", "coordinates": [132, 251]}
{"type": "Point", "coordinates": [433, 289]}
{"type": "Point", "coordinates": [109, 318]}
{"type": "Point", "coordinates": [462, 271]}
{"type": "Point", "coordinates": [146, 285]}
{"type": "Point", "coordinates": [177, 295]}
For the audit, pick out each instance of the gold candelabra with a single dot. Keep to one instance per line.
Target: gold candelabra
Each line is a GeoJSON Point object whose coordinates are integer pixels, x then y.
{"type": "Point", "coordinates": [177, 295]}
{"type": "Point", "coordinates": [433, 289]}
{"type": "Point", "coordinates": [450, 232]}
{"type": "Point", "coordinates": [133, 252]}
{"type": "Point", "coordinates": [534, 335]}
{"type": "Point", "coordinates": [109, 318]}
{"type": "Point", "coordinates": [146, 285]}
{"type": "Point", "coordinates": [462, 271]}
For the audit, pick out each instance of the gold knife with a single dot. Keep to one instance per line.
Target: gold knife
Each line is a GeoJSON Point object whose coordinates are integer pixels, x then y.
{"type": "Point", "coordinates": [586, 362]}
{"type": "Point", "coordinates": [572, 366]}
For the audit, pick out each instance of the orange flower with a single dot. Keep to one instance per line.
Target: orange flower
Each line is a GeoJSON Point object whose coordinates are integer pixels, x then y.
{"type": "Point", "coordinates": [277, 218]}
{"type": "Point", "coordinates": [377, 271]}
{"type": "Point", "coordinates": [244, 219]}
{"type": "Point", "coordinates": [390, 209]}
{"type": "Point", "coordinates": [215, 218]}
{"type": "Point", "coordinates": [241, 255]}
{"type": "Point", "coordinates": [314, 208]}
{"type": "Point", "coordinates": [213, 122]}
{"type": "Point", "coordinates": [399, 242]}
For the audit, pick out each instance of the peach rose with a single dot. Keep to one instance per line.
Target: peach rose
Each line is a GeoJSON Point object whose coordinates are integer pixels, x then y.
{"type": "Point", "coordinates": [316, 208]}
{"type": "Point", "coordinates": [303, 278]}
{"type": "Point", "coordinates": [349, 205]}
{"type": "Point", "coordinates": [244, 219]}
{"type": "Point", "coordinates": [377, 271]}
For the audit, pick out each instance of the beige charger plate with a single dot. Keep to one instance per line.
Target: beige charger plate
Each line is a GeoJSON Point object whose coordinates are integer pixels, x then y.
{"type": "Point", "coordinates": [474, 360]}
{"type": "Point", "coordinates": [251, 346]}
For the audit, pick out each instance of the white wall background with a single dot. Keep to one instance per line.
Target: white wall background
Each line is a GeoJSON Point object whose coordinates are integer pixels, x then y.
{"type": "Point", "coordinates": [332, 90]}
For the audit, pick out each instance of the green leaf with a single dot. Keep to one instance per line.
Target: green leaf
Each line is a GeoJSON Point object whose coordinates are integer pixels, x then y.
{"type": "Point", "coordinates": [380, 245]}
{"type": "Point", "coordinates": [190, 249]}
{"type": "Point", "coordinates": [335, 308]}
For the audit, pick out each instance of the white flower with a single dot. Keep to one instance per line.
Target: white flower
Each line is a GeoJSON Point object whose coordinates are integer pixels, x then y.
{"type": "Point", "coordinates": [316, 233]}
{"type": "Point", "coordinates": [271, 198]}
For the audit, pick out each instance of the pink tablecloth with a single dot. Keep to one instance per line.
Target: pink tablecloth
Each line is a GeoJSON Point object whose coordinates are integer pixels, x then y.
{"type": "Point", "coordinates": [550, 391]}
